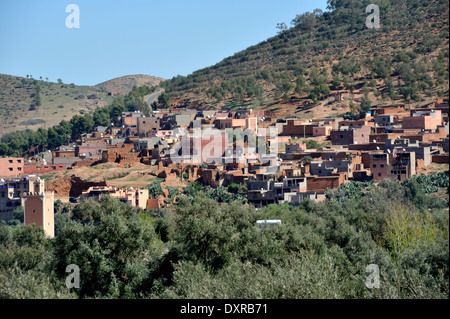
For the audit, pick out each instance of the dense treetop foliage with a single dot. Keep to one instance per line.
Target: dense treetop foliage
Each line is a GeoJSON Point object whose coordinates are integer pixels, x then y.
{"type": "Point", "coordinates": [206, 249]}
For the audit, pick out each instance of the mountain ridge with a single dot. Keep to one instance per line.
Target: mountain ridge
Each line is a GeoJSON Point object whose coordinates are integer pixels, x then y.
{"type": "Point", "coordinates": [297, 67]}
{"type": "Point", "coordinates": [124, 84]}
{"type": "Point", "coordinates": [21, 109]}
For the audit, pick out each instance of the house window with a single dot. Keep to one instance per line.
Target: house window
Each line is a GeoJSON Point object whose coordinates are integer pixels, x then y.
{"type": "Point", "coordinates": [379, 174]}
{"type": "Point", "coordinates": [10, 169]}
{"type": "Point", "coordinates": [374, 165]}
{"type": "Point", "coordinates": [341, 136]}
{"type": "Point", "coordinates": [19, 168]}
{"type": "Point", "coordinates": [10, 161]}
{"type": "Point", "coordinates": [382, 165]}
{"type": "Point", "coordinates": [19, 161]}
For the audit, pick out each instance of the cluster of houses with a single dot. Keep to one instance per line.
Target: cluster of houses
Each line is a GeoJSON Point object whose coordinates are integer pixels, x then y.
{"type": "Point", "coordinates": [390, 142]}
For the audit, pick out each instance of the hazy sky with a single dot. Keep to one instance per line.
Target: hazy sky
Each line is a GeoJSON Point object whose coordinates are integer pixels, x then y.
{"type": "Point", "coordinates": [116, 38]}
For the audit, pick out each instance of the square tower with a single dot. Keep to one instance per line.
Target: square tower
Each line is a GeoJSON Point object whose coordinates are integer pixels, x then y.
{"type": "Point", "coordinates": [39, 210]}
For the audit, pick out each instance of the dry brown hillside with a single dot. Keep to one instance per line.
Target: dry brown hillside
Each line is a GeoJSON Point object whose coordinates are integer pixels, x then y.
{"type": "Point", "coordinates": [58, 101]}
{"type": "Point", "coordinates": [123, 85]}
{"type": "Point", "coordinates": [329, 56]}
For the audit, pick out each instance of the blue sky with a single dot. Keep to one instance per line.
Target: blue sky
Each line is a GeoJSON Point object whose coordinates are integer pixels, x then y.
{"type": "Point", "coordinates": [116, 38]}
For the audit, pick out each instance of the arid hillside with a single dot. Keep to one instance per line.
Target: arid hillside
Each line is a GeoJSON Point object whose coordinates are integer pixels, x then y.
{"type": "Point", "coordinates": [328, 56]}
{"type": "Point", "coordinates": [27, 103]}
{"type": "Point", "coordinates": [124, 84]}
{"type": "Point", "coordinates": [31, 104]}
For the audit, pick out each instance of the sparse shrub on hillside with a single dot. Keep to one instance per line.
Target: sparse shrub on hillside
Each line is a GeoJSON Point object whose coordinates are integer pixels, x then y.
{"type": "Point", "coordinates": [381, 67]}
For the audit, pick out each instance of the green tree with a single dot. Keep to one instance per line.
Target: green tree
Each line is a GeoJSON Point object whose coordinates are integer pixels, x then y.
{"type": "Point", "coordinates": [154, 189]}
{"type": "Point", "coordinates": [406, 229]}
{"type": "Point", "coordinates": [101, 117]}
{"type": "Point", "coordinates": [4, 149]}
{"type": "Point", "coordinates": [164, 100]}
{"type": "Point", "coordinates": [336, 81]}
{"type": "Point", "coordinates": [381, 67]}
{"type": "Point", "coordinates": [365, 105]}
{"type": "Point", "coordinates": [281, 27]}
{"type": "Point", "coordinates": [37, 100]}
{"type": "Point", "coordinates": [312, 144]}
{"type": "Point", "coordinates": [305, 21]}
{"type": "Point", "coordinates": [81, 124]}
{"type": "Point", "coordinates": [109, 242]}
{"type": "Point", "coordinates": [300, 84]}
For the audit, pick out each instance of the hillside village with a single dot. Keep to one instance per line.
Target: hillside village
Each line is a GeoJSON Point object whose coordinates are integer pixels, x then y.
{"type": "Point", "coordinates": [392, 142]}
